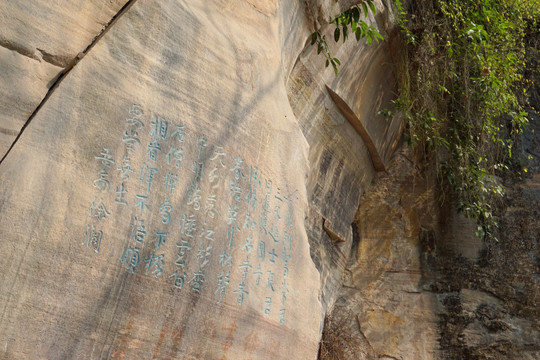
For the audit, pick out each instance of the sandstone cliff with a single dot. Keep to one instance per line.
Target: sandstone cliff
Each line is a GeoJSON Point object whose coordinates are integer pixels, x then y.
{"type": "Point", "coordinates": [185, 179]}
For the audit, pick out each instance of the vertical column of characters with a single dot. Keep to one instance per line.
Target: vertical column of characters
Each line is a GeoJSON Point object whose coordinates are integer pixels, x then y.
{"type": "Point", "coordinates": [255, 243]}
{"type": "Point", "coordinates": [274, 248]}
{"type": "Point", "coordinates": [149, 171]}
{"type": "Point", "coordinates": [214, 183]}
{"type": "Point", "coordinates": [286, 255]}
{"type": "Point", "coordinates": [189, 222]}
{"type": "Point", "coordinates": [256, 240]}
{"type": "Point", "coordinates": [235, 194]}
{"type": "Point", "coordinates": [149, 168]}
{"type": "Point", "coordinates": [174, 156]}
{"type": "Point", "coordinates": [98, 211]}
{"type": "Point", "coordinates": [131, 254]}
{"type": "Point", "coordinates": [131, 142]}
{"type": "Point", "coordinates": [187, 226]}
{"type": "Point", "coordinates": [251, 203]}
{"type": "Point", "coordinates": [175, 160]}
{"type": "Point", "coordinates": [249, 225]}
{"type": "Point", "coordinates": [268, 241]}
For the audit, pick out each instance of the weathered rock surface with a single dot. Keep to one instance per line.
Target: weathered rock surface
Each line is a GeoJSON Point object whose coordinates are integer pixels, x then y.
{"type": "Point", "coordinates": [385, 286]}
{"type": "Point", "coordinates": [198, 186]}
{"type": "Point", "coordinates": [420, 286]}
{"type": "Point", "coordinates": [342, 159]}
{"type": "Point", "coordinates": [490, 304]}
{"type": "Point", "coordinates": [38, 39]}
{"type": "Point", "coordinates": [154, 206]}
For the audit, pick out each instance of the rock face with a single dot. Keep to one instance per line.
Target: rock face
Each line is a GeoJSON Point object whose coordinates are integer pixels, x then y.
{"type": "Point", "coordinates": [154, 206]}
{"type": "Point", "coordinates": [489, 304]}
{"type": "Point", "coordinates": [419, 285]}
{"type": "Point", "coordinates": [38, 40]}
{"type": "Point", "coordinates": [185, 179]}
{"type": "Point", "coordinates": [344, 155]}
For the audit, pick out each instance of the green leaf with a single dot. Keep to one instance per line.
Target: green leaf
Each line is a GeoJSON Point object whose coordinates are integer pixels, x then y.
{"type": "Point", "coordinates": [313, 38]}
{"type": "Point", "coordinates": [372, 7]}
{"type": "Point", "coordinates": [364, 6]}
{"type": "Point", "coordinates": [355, 14]}
{"type": "Point", "coordinates": [337, 61]}
{"type": "Point", "coordinates": [327, 63]}
{"type": "Point", "coordinates": [335, 68]}
{"type": "Point", "coordinates": [345, 32]}
{"type": "Point", "coordinates": [336, 34]}
{"type": "Point", "coordinates": [364, 26]}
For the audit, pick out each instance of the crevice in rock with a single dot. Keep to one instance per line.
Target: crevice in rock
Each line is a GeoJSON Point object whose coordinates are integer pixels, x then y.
{"type": "Point", "coordinates": [353, 256]}
{"type": "Point", "coordinates": [260, 8]}
{"type": "Point", "coordinates": [65, 72]}
{"type": "Point", "coordinates": [327, 226]}
{"type": "Point", "coordinates": [57, 60]}
{"type": "Point", "coordinates": [349, 114]}
{"type": "Point", "coordinates": [18, 48]}
{"type": "Point", "coordinates": [359, 324]}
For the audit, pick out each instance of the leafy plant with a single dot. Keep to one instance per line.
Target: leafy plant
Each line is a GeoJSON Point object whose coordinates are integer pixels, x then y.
{"type": "Point", "coordinates": [462, 92]}
{"type": "Point", "coordinates": [348, 22]}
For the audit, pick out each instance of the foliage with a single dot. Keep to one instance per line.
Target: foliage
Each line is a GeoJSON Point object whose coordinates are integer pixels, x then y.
{"type": "Point", "coordinates": [462, 91]}
{"type": "Point", "coordinates": [348, 22]}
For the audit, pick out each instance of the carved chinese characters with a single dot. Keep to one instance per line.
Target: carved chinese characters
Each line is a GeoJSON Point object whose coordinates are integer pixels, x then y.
{"type": "Point", "coordinates": [200, 218]}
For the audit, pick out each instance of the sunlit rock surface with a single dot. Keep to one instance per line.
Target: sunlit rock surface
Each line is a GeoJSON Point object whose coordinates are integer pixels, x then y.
{"type": "Point", "coordinates": [154, 206]}
{"type": "Point", "coordinates": [38, 40]}
{"type": "Point", "coordinates": [191, 182]}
